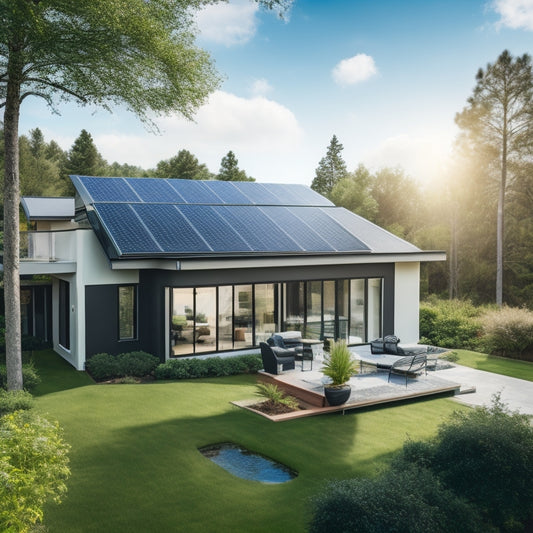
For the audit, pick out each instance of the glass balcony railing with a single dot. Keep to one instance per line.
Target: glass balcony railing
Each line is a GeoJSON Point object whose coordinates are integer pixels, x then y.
{"type": "Point", "coordinates": [48, 246]}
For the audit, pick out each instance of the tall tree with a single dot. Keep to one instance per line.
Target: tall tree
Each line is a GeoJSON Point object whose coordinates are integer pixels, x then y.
{"type": "Point", "coordinates": [499, 115]}
{"type": "Point", "coordinates": [331, 169]}
{"type": "Point", "coordinates": [230, 171]}
{"type": "Point", "coordinates": [138, 53]}
{"type": "Point", "coordinates": [184, 166]}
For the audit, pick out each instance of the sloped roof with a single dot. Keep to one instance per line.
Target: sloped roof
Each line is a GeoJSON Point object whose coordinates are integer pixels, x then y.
{"type": "Point", "coordinates": [150, 217]}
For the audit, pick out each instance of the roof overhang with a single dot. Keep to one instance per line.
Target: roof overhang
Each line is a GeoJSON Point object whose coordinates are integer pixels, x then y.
{"type": "Point", "coordinates": [272, 262]}
{"type": "Point", "coordinates": [36, 208]}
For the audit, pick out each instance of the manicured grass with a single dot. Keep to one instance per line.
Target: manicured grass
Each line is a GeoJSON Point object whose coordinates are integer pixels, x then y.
{"type": "Point", "coordinates": [498, 365]}
{"type": "Point", "coordinates": [135, 464]}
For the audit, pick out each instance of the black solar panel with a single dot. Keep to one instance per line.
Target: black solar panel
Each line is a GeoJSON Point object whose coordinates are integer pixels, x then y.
{"type": "Point", "coordinates": [109, 189]}
{"type": "Point", "coordinates": [154, 190]}
{"type": "Point", "coordinates": [195, 192]}
{"type": "Point", "coordinates": [220, 235]}
{"type": "Point", "coordinates": [257, 193]}
{"type": "Point", "coordinates": [228, 193]}
{"type": "Point", "coordinates": [126, 229]}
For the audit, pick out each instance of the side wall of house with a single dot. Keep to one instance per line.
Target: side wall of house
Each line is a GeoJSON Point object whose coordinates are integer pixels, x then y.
{"type": "Point", "coordinates": [407, 301]}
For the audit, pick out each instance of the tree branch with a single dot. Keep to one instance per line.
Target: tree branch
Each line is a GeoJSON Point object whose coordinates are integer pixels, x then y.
{"type": "Point", "coordinates": [58, 87]}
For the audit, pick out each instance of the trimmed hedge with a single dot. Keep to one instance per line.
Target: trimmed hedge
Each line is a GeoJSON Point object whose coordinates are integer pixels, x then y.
{"type": "Point", "coordinates": [30, 377]}
{"type": "Point", "coordinates": [103, 366]}
{"type": "Point", "coordinates": [210, 367]}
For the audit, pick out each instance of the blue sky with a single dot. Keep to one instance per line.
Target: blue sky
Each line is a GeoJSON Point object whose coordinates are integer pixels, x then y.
{"type": "Point", "coordinates": [386, 77]}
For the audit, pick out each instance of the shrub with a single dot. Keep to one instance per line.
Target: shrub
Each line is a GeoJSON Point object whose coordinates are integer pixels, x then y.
{"type": "Point", "coordinates": [137, 364]}
{"type": "Point", "coordinates": [211, 367]}
{"type": "Point", "coordinates": [508, 331]}
{"type": "Point", "coordinates": [450, 323]}
{"type": "Point", "coordinates": [485, 455]}
{"type": "Point", "coordinates": [33, 468]}
{"type": "Point", "coordinates": [11, 401]}
{"type": "Point", "coordinates": [411, 499]}
{"type": "Point", "coordinates": [30, 377]}
{"type": "Point", "coordinates": [274, 394]}
{"type": "Point", "coordinates": [103, 366]}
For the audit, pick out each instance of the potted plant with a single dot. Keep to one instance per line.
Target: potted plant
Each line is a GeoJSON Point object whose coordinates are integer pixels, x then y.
{"type": "Point", "coordinates": [339, 367]}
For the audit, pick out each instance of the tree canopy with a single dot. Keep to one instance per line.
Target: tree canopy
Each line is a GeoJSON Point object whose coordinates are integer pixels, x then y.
{"type": "Point", "coordinates": [230, 171]}
{"type": "Point", "coordinates": [331, 169]}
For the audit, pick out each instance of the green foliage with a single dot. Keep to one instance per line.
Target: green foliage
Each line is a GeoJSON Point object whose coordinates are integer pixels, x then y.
{"type": "Point", "coordinates": [33, 469]}
{"type": "Point", "coordinates": [11, 401]}
{"type": "Point", "coordinates": [274, 394]}
{"type": "Point", "coordinates": [103, 366]}
{"type": "Point", "coordinates": [183, 166]}
{"type": "Point", "coordinates": [450, 323]}
{"type": "Point", "coordinates": [331, 169]}
{"type": "Point", "coordinates": [340, 364]}
{"type": "Point", "coordinates": [411, 499]}
{"type": "Point", "coordinates": [30, 377]}
{"type": "Point", "coordinates": [212, 367]}
{"type": "Point", "coordinates": [229, 169]}
{"type": "Point", "coordinates": [485, 456]}
{"type": "Point", "coordinates": [508, 331]}
{"type": "Point", "coordinates": [137, 364]}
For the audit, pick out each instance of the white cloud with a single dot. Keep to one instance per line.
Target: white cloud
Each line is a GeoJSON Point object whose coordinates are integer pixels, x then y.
{"type": "Point", "coordinates": [422, 158]}
{"type": "Point", "coordinates": [515, 14]}
{"type": "Point", "coordinates": [354, 70]}
{"type": "Point", "coordinates": [261, 87]}
{"type": "Point", "coordinates": [229, 23]}
{"type": "Point", "coordinates": [252, 127]}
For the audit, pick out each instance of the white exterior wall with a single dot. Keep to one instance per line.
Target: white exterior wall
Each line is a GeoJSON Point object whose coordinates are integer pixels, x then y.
{"type": "Point", "coordinates": [92, 268]}
{"type": "Point", "coordinates": [407, 301]}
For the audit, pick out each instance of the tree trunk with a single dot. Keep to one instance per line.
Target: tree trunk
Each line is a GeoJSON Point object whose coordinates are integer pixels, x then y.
{"type": "Point", "coordinates": [11, 224]}
{"type": "Point", "coordinates": [500, 223]}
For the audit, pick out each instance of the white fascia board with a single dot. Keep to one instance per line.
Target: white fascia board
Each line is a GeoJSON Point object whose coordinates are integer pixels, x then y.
{"type": "Point", "coordinates": [31, 268]}
{"type": "Point", "coordinates": [279, 261]}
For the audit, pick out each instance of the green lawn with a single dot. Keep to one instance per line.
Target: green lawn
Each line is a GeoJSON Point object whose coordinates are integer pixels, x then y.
{"type": "Point", "coordinates": [498, 365]}
{"type": "Point", "coordinates": [135, 464]}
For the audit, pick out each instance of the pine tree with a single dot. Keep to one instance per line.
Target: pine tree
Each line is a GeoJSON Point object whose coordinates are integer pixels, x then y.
{"type": "Point", "coordinates": [229, 169]}
{"type": "Point", "coordinates": [183, 166]}
{"type": "Point", "coordinates": [331, 169]}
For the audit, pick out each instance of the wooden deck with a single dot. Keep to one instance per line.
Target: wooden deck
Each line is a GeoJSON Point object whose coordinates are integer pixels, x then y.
{"type": "Point", "coordinates": [367, 390]}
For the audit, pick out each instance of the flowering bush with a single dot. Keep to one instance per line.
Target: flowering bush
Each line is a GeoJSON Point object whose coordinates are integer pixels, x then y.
{"type": "Point", "coordinates": [33, 468]}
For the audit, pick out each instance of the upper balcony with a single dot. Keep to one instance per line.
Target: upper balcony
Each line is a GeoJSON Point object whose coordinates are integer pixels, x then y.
{"type": "Point", "coordinates": [47, 252]}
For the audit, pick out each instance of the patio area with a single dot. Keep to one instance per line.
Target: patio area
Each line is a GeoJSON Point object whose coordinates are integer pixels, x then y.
{"type": "Point", "coordinates": [370, 387]}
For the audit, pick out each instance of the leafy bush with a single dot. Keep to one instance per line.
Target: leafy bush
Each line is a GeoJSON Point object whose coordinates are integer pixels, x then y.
{"type": "Point", "coordinates": [274, 394]}
{"type": "Point", "coordinates": [103, 366]}
{"type": "Point", "coordinates": [485, 455]}
{"type": "Point", "coordinates": [137, 364]}
{"type": "Point", "coordinates": [11, 401]}
{"type": "Point", "coordinates": [450, 323]}
{"type": "Point", "coordinates": [30, 377]}
{"type": "Point", "coordinates": [33, 468]}
{"type": "Point", "coordinates": [210, 367]}
{"type": "Point", "coordinates": [411, 499]}
{"type": "Point", "coordinates": [508, 331]}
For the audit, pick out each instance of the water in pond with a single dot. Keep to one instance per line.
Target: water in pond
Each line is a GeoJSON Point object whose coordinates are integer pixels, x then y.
{"type": "Point", "coordinates": [247, 465]}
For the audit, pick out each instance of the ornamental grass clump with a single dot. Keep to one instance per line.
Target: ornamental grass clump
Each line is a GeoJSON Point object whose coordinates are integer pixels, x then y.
{"type": "Point", "coordinates": [275, 395]}
{"type": "Point", "coordinates": [340, 365]}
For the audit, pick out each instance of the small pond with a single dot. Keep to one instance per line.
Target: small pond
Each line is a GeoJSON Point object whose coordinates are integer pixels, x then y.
{"type": "Point", "coordinates": [246, 464]}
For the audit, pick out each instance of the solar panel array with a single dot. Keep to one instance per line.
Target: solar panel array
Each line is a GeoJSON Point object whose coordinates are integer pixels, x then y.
{"type": "Point", "coordinates": [148, 217]}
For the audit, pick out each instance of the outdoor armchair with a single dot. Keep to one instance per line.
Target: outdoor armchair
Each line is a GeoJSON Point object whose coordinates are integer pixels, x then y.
{"type": "Point", "coordinates": [409, 365]}
{"type": "Point", "coordinates": [274, 362]}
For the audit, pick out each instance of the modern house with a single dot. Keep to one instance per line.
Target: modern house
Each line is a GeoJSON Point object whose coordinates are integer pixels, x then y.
{"type": "Point", "coordinates": [181, 267]}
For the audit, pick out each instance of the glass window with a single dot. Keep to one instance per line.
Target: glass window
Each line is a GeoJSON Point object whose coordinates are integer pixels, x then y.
{"type": "Point", "coordinates": [265, 311]}
{"type": "Point", "coordinates": [225, 317]}
{"type": "Point", "coordinates": [182, 323]}
{"type": "Point", "coordinates": [329, 309]}
{"type": "Point", "coordinates": [357, 311]}
{"type": "Point", "coordinates": [64, 314]}
{"type": "Point", "coordinates": [205, 322]}
{"type": "Point", "coordinates": [243, 316]}
{"type": "Point", "coordinates": [313, 328]}
{"type": "Point", "coordinates": [294, 306]}
{"type": "Point", "coordinates": [374, 308]}
{"type": "Point", "coordinates": [342, 304]}
{"type": "Point", "coordinates": [127, 312]}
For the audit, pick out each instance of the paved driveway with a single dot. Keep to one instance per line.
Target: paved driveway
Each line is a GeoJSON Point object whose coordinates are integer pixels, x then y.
{"type": "Point", "coordinates": [517, 394]}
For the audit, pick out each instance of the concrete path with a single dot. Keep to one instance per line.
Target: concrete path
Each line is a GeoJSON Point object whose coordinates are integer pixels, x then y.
{"type": "Point", "coordinates": [517, 394]}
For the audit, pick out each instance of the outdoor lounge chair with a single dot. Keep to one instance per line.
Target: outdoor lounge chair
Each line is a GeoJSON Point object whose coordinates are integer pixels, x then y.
{"type": "Point", "coordinates": [409, 365]}
{"type": "Point", "coordinates": [274, 362]}
{"type": "Point", "coordinates": [288, 340]}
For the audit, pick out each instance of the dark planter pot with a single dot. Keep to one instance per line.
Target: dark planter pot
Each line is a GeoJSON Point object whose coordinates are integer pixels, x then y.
{"type": "Point", "coordinates": [337, 395]}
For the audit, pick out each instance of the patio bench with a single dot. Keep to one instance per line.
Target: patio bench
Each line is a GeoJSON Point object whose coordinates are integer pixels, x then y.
{"type": "Point", "coordinates": [408, 366]}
